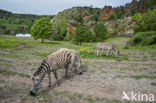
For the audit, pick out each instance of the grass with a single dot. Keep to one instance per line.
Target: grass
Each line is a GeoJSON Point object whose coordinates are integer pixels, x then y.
{"type": "Point", "coordinates": [93, 71]}
{"type": "Point", "coordinates": [14, 56]}
{"type": "Point", "coordinates": [137, 77]}
{"type": "Point", "coordinates": [13, 73]}
{"type": "Point", "coordinates": [131, 68]}
{"type": "Point", "coordinates": [153, 83]}
{"type": "Point", "coordinates": [10, 43]}
{"type": "Point", "coordinates": [90, 100]}
{"type": "Point", "coordinates": [87, 50]}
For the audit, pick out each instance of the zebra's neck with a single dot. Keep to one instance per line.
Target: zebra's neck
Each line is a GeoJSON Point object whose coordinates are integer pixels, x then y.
{"type": "Point", "coordinates": [116, 49]}
{"type": "Point", "coordinates": [40, 73]}
{"type": "Point", "coordinates": [42, 70]}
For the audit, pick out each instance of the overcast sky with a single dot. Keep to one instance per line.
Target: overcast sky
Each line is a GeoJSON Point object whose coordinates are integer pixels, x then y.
{"type": "Point", "coordinates": [53, 6]}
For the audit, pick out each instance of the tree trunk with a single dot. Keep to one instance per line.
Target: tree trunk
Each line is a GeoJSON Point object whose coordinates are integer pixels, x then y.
{"type": "Point", "coordinates": [42, 40]}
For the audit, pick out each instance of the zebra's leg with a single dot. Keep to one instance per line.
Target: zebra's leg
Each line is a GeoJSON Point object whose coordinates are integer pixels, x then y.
{"type": "Point", "coordinates": [49, 76]}
{"type": "Point", "coordinates": [97, 52]}
{"type": "Point", "coordinates": [108, 52]}
{"type": "Point", "coordinates": [66, 72]}
{"type": "Point", "coordinates": [57, 81]}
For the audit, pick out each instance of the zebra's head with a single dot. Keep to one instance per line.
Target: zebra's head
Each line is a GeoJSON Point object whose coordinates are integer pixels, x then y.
{"type": "Point", "coordinates": [117, 53]}
{"type": "Point", "coordinates": [79, 69]}
{"type": "Point", "coordinates": [36, 85]}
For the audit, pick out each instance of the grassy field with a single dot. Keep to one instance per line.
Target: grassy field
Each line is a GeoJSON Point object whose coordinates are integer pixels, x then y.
{"type": "Point", "coordinates": [103, 82]}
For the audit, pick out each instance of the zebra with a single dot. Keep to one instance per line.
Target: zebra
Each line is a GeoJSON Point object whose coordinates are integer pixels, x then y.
{"type": "Point", "coordinates": [63, 58]}
{"type": "Point", "coordinates": [107, 47]}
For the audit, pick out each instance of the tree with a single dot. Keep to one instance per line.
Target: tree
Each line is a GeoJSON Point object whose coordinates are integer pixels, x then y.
{"type": "Point", "coordinates": [82, 34]}
{"type": "Point", "coordinates": [137, 18]}
{"type": "Point", "coordinates": [147, 23]}
{"type": "Point", "coordinates": [112, 17]}
{"type": "Point", "coordinates": [60, 29]}
{"type": "Point", "coordinates": [41, 29]}
{"type": "Point", "coordinates": [100, 31]}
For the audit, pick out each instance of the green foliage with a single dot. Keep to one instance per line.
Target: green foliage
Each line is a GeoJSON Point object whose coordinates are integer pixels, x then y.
{"type": "Point", "coordinates": [11, 22]}
{"type": "Point", "coordinates": [59, 29]}
{"type": "Point", "coordinates": [68, 36]}
{"type": "Point", "coordinates": [95, 17]}
{"type": "Point", "coordinates": [151, 3]}
{"type": "Point", "coordinates": [144, 38]}
{"type": "Point", "coordinates": [78, 18]}
{"type": "Point", "coordinates": [147, 23]}
{"type": "Point", "coordinates": [140, 28]}
{"type": "Point", "coordinates": [115, 31]}
{"type": "Point", "coordinates": [119, 15]}
{"type": "Point", "coordinates": [112, 17]}
{"type": "Point", "coordinates": [100, 31]}
{"type": "Point", "coordinates": [137, 17]}
{"type": "Point", "coordinates": [149, 20]}
{"type": "Point", "coordinates": [41, 29]}
{"type": "Point", "coordinates": [82, 34]}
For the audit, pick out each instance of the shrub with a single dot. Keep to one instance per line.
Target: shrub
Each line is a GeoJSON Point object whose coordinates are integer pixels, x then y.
{"type": "Point", "coordinates": [68, 36]}
{"type": "Point", "coordinates": [82, 34]}
{"type": "Point", "coordinates": [137, 17]}
{"type": "Point", "coordinates": [100, 31]}
{"type": "Point", "coordinates": [144, 38]}
{"type": "Point", "coordinates": [112, 17]}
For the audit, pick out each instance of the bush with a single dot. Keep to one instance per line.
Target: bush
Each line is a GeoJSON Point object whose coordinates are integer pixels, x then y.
{"type": "Point", "coordinates": [140, 28]}
{"type": "Point", "coordinates": [68, 36]}
{"type": "Point", "coordinates": [82, 34]}
{"type": "Point", "coordinates": [137, 17]}
{"type": "Point", "coordinates": [144, 38]}
{"type": "Point", "coordinates": [100, 32]}
{"type": "Point", "coordinates": [112, 17]}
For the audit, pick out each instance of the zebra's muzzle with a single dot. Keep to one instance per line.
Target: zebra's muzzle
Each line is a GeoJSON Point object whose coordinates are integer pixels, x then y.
{"type": "Point", "coordinates": [32, 93]}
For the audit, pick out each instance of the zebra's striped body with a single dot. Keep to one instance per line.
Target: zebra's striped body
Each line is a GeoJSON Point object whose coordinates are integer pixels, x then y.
{"type": "Point", "coordinates": [105, 46]}
{"type": "Point", "coordinates": [63, 58]}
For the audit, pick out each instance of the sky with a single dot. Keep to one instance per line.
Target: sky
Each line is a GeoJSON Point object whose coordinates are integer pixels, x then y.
{"type": "Point", "coordinates": [52, 7]}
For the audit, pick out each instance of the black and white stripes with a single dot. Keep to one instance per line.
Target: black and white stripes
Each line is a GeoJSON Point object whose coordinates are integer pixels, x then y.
{"type": "Point", "coordinates": [105, 46]}
{"type": "Point", "coordinates": [63, 58]}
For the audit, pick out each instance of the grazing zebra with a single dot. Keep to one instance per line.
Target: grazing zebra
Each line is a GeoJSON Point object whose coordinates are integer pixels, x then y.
{"type": "Point", "coordinates": [63, 58]}
{"type": "Point", "coordinates": [107, 47]}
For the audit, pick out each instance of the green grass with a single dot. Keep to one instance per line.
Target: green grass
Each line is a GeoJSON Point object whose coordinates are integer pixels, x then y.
{"type": "Point", "coordinates": [116, 39]}
{"type": "Point", "coordinates": [131, 68]}
{"type": "Point", "coordinates": [153, 83]}
{"type": "Point", "coordinates": [42, 54]}
{"type": "Point", "coordinates": [10, 43]}
{"type": "Point", "coordinates": [90, 100]}
{"type": "Point", "coordinates": [14, 56]}
{"type": "Point", "coordinates": [87, 50]}
{"type": "Point", "coordinates": [137, 77]}
{"type": "Point", "coordinates": [13, 73]}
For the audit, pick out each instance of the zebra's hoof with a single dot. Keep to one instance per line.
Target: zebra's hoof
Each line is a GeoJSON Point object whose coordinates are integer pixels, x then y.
{"type": "Point", "coordinates": [58, 83]}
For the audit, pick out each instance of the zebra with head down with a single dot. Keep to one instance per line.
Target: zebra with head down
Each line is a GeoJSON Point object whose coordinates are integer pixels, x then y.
{"type": "Point", "coordinates": [63, 58]}
{"type": "Point", "coordinates": [105, 46]}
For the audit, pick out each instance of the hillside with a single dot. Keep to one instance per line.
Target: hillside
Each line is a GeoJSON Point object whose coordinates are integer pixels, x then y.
{"type": "Point", "coordinates": [11, 23]}
{"type": "Point", "coordinates": [117, 19]}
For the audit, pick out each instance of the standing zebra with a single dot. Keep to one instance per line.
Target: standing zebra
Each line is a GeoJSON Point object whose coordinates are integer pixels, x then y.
{"type": "Point", "coordinates": [107, 47]}
{"type": "Point", "coordinates": [63, 58]}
